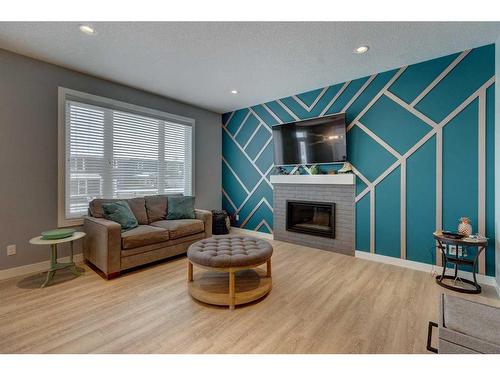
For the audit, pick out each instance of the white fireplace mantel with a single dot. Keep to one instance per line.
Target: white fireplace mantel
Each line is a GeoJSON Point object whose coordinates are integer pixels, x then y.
{"type": "Point", "coordinates": [316, 179]}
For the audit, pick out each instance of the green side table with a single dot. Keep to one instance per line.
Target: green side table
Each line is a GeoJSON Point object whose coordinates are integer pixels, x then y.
{"type": "Point", "coordinates": [54, 264]}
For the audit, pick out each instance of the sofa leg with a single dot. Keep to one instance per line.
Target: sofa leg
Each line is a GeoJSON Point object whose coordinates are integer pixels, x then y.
{"type": "Point", "coordinates": [429, 337]}
{"type": "Point", "coordinates": [113, 275]}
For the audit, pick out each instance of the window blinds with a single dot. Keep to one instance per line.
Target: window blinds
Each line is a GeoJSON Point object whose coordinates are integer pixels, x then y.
{"type": "Point", "coordinates": [112, 153]}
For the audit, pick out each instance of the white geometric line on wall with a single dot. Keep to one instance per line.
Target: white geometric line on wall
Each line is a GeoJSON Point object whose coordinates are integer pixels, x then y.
{"type": "Point", "coordinates": [402, 215]}
{"type": "Point", "coordinates": [288, 110]}
{"type": "Point", "coordinates": [252, 191]}
{"type": "Point", "coordinates": [481, 180]}
{"type": "Point", "coordinates": [251, 137]}
{"type": "Point", "coordinates": [235, 175]}
{"type": "Point", "coordinates": [242, 124]}
{"type": "Point", "coordinates": [228, 198]}
{"type": "Point", "coordinates": [262, 201]}
{"type": "Point", "coordinates": [438, 79]}
{"type": "Point", "coordinates": [263, 148]}
{"type": "Point", "coordinates": [466, 102]}
{"type": "Point", "coordinates": [377, 97]}
{"type": "Point", "coordinates": [439, 185]}
{"type": "Point", "coordinates": [260, 119]}
{"type": "Point", "coordinates": [372, 219]}
{"type": "Point", "coordinates": [264, 222]}
{"type": "Point", "coordinates": [379, 140]}
{"type": "Point", "coordinates": [308, 108]}
{"type": "Point", "coordinates": [359, 92]}
{"type": "Point", "coordinates": [272, 114]}
{"type": "Point", "coordinates": [334, 99]}
{"type": "Point", "coordinates": [411, 109]}
{"type": "Point", "coordinates": [229, 118]}
{"type": "Point", "coordinates": [360, 175]}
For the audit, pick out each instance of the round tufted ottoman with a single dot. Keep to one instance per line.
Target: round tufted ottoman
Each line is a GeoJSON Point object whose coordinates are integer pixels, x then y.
{"type": "Point", "coordinates": [232, 277]}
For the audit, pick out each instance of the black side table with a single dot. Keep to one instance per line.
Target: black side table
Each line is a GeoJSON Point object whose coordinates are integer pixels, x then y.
{"type": "Point", "coordinates": [480, 244]}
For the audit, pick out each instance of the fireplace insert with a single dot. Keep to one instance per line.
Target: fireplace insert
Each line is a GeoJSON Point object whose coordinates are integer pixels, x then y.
{"type": "Point", "coordinates": [315, 218]}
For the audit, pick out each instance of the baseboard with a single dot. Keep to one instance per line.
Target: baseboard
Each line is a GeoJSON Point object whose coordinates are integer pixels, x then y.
{"type": "Point", "coordinates": [483, 279]}
{"type": "Point", "coordinates": [497, 288]}
{"type": "Point", "coordinates": [35, 267]}
{"type": "Point", "coordinates": [254, 233]}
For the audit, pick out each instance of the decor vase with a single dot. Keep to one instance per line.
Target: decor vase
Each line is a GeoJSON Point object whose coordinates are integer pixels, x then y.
{"type": "Point", "coordinates": [464, 227]}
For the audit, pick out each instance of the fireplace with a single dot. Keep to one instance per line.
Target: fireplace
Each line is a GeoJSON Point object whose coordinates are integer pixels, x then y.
{"type": "Point", "coordinates": [314, 218]}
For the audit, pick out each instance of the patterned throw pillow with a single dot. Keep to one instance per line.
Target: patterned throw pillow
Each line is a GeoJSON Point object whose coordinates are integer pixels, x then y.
{"type": "Point", "coordinates": [180, 208]}
{"type": "Point", "coordinates": [120, 213]}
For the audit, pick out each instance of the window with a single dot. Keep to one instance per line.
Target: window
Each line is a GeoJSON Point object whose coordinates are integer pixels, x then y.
{"type": "Point", "coordinates": [110, 149]}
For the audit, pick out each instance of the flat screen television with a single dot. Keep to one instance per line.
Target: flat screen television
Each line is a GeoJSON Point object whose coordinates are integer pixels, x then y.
{"type": "Point", "coordinates": [315, 141]}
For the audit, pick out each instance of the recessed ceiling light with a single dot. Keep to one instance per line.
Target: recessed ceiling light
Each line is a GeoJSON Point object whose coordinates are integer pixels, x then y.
{"type": "Point", "coordinates": [361, 49]}
{"type": "Point", "coordinates": [234, 92]}
{"type": "Point", "coordinates": [87, 29]}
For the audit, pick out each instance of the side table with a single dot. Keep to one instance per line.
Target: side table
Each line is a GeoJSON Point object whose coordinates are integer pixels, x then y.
{"type": "Point", "coordinates": [54, 264]}
{"type": "Point", "coordinates": [442, 241]}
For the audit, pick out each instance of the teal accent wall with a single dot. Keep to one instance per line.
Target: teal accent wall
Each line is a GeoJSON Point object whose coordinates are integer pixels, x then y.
{"type": "Point", "coordinates": [405, 109]}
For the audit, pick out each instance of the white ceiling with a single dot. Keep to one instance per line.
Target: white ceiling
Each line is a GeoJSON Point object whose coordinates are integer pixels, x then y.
{"type": "Point", "coordinates": [200, 62]}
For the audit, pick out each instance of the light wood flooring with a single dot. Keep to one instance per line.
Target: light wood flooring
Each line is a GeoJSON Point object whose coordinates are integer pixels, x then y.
{"type": "Point", "coordinates": [321, 302]}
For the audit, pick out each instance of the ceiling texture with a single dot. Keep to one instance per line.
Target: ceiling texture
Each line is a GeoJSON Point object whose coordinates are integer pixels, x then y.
{"type": "Point", "coordinates": [201, 62]}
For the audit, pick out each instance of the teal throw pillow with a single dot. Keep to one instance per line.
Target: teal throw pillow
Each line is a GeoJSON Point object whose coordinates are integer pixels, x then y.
{"type": "Point", "coordinates": [120, 213]}
{"type": "Point", "coordinates": [179, 207]}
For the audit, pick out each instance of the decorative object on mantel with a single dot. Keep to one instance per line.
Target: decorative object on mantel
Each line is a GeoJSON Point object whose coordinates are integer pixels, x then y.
{"type": "Point", "coordinates": [314, 169]}
{"type": "Point", "coordinates": [333, 171]}
{"type": "Point", "coordinates": [280, 170]}
{"type": "Point", "coordinates": [464, 227]}
{"type": "Point", "coordinates": [346, 168]}
{"type": "Point", "coordinates": [297, 171]}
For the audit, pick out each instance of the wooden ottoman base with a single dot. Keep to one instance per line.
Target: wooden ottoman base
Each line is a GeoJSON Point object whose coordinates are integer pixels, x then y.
{"type": "Point", "coordinates": [230, 286]}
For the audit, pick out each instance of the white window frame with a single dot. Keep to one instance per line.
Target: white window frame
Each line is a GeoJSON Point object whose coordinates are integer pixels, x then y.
{"type": "Point", "coordinates": [65, 94]}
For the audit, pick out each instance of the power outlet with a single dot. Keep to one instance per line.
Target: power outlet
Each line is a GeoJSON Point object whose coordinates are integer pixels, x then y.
{"type": "Point", "coordinates": [237, 217]}
{"type": "Point", "coordinates": [452, 250]}
{"type": "Point", "coordinates": [11, 250]}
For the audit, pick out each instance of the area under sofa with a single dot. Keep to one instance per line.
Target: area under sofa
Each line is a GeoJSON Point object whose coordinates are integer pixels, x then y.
{"type": "Point", "coordinates": [112, 251]}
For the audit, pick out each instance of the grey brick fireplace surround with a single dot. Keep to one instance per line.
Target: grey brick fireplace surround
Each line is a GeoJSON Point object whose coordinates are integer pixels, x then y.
{"type": "Point", "coordinates": [340, 194]}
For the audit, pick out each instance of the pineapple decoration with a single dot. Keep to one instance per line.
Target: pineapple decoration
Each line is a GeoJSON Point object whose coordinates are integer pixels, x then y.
{"type": "Point", "coordinates": [464, 227]}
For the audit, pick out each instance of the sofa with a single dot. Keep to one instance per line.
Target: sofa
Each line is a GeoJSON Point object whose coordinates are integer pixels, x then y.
{"type": "Point", "coordinates": [112, 251]}
{"type": "Point", "coordinates": [466, 327]}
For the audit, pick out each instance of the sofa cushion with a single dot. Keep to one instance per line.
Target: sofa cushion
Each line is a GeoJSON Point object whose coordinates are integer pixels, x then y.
{"type": "Point", "coordinates": [137, 205]}
{"type": "Point", "coordinates": [120, 213]}
{"type": "Point", "coordinates": [180, 228]}
{"type": "Point", "coordinates": [144, 249]}
{"type": "Point", "coordinates": [471, 318]}
{"type": "Point", "coordinates": [143, 235]}
{"type": "Point", "coordinates": [156, 207]}
{"type": "Point", "coordinates": [180, 208]}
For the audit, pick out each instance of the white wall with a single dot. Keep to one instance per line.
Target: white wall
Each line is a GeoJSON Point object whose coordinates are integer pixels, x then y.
{"type": "Point", "coordinates": [28, 148]}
